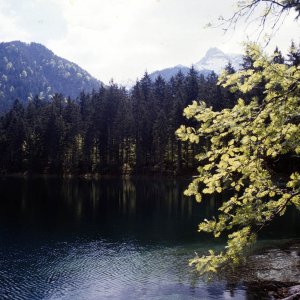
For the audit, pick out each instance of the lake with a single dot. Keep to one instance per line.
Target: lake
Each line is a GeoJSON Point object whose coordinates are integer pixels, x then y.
{"type": "Point", "coordinates": [108, 239]}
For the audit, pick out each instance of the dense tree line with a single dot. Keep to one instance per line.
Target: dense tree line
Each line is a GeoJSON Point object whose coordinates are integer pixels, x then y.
{"type": "Point", "coordinates": [112, 130]}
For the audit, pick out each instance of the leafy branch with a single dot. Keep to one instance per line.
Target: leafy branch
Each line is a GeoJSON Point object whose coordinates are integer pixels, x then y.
{"type": "Point", "coordinates": [242, 141]}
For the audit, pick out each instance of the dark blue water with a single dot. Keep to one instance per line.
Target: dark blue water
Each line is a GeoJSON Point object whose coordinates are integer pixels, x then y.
{"type": "Point", "coordinates": [107, 239]}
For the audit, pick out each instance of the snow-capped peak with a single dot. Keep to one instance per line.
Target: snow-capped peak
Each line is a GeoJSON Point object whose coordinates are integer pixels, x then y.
{"type": "Point", "coordinates": [213, 52]}
{"type": "Point", "coordinates": [216, 60]}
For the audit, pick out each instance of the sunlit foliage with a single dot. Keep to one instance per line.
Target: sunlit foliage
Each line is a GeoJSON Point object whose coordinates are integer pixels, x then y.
{"type": "Point", "coordinates": [251, 152]}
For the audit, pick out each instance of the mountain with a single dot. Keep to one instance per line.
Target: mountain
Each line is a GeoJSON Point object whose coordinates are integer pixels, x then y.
{"type": "Point", "coordinates": [214, 60]}
{"type": "Point", "coordinates": [169, 72]}
{"type": "Point", "coordinates": [31, 69]}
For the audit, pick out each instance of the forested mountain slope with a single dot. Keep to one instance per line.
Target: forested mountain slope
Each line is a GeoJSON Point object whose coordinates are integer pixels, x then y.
{"type": "Point", "coordinates": [31, 69]}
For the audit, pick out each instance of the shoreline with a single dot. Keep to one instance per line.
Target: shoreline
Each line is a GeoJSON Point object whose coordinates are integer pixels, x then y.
{"type": "Point", "coordinates": [96, 176]}
{"type": "Point", "coordinates": [271, 272]}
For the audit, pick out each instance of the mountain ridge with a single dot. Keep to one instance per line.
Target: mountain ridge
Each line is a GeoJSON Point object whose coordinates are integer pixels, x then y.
{"type": "Point", "coordinates": [29, 69]}
{"type": "Point", "coordinates": [214, 60]}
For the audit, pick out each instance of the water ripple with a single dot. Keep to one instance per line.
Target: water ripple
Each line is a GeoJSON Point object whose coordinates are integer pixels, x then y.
{"type": "Point", "coordinates": [98, 269]}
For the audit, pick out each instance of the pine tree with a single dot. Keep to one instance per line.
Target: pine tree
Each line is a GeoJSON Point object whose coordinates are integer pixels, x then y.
{"type": "Point", "coordinates": [14, 126]}
{"type": "Point", "coordinates": [278, 57]}
{"type": "Point", "coordinates": [294, 55]}
{"type": "Point", "coordinates": [73, 137]}
{"type": "Point", "coordinates": [54, 137]}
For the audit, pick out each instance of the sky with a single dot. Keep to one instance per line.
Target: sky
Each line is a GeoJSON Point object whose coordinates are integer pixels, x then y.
{"type": "Point", "coordinates": [121, 39]}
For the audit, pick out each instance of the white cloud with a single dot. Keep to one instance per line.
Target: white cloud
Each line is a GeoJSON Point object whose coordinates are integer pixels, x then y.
{"type": "Point", "coordinates": [9, 28]}
{"type": "Point", "coordinates": [35, 20]}
{"type": "Point", "coordinates": [122, 39]}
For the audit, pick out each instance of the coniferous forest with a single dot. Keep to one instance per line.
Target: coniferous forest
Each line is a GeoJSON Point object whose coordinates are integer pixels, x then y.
{"type": "Point", "coordinates": [113, 131]}
{"type": "Point", "coordinates": [109, 131]}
